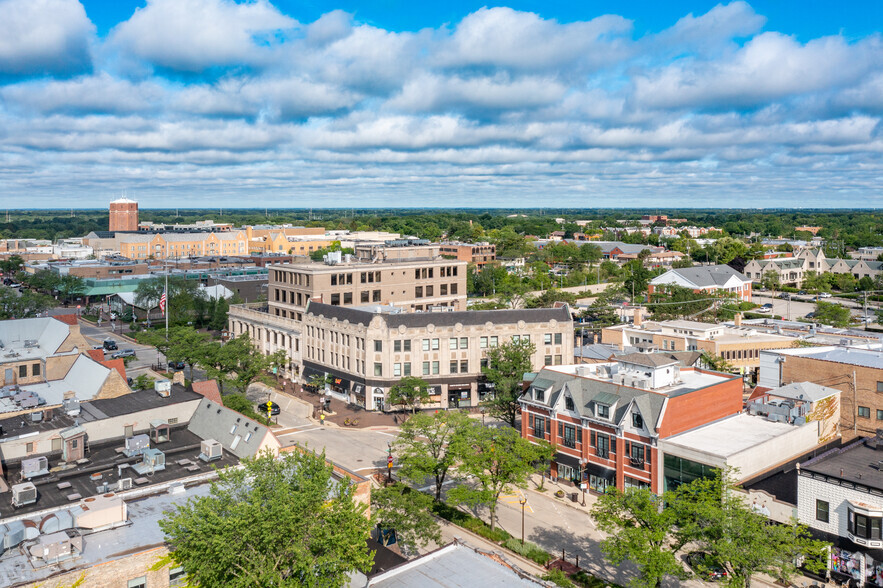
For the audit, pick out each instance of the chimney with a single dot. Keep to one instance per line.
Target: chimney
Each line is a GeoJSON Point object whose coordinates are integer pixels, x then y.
{"type": "Point", "coordinates": [738, 319]}
{"type": "Point", "coordinates": [637, 313]}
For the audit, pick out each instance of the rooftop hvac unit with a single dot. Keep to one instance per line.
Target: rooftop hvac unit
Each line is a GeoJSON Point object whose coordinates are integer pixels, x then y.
{"type": "Point", "coordinates": [136, 445]}
{"type": "Point", "coordinates": [71, 406]}
{"type": "Point", "coordinates": [24, 494]}
{"type": "Point", "coordinates": [34, 467]}
{"type": "Point", "coordinates": [163, 387]}
{"type": "Point", "coordinates": [124, 484]}
{"type": "Point", "coordinates": [210, 450]}
{"type": "Point", "coordinates": [153, 460]}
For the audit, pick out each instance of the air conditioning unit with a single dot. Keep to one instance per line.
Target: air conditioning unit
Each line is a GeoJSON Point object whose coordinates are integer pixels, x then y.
{"type": "Point", "coordinates": [136, 445]}
{"type": "Point", "coordinates": [33, 467]}
{"type": "Point", "coordinates": [211, 450]}
{"type": "Point", "coordinates": [23, 494]}
{"type": "Point", "coordinates": [124, 484]}
{"type": "Point", "coordinates": [163, 387]}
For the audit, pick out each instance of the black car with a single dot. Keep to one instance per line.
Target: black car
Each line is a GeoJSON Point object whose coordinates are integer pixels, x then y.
{"type": "Point", "coordinates": [706, 566]}
{"type": "Point", "coordinates": [176, 365]}
{"type": "Point", "coordinates": [272, 406]}
{"type": "Point", "coordinates": [110, 345]}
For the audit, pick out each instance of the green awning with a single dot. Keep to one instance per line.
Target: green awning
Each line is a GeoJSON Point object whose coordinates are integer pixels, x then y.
{"type": "Point", "coordinates": [105, 290]}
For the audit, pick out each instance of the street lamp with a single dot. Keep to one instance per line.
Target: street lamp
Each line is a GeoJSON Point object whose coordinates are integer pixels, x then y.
{"type": "Point", "coordinates": [482, 415]}
{"type": "Point", "coordinates": [522, 501]}
{"type": "Point", "coordinates": [389, 462]}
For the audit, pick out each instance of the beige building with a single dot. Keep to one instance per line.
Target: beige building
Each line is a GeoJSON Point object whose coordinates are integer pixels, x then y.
{"type": "Point", "coordinates": [479, 254]}
{"type": "Point", "coordinates": [739, 346]}
{"type": "Point", "coordinates": [365, 352]}
{"type": "Point", "coordinates": [415, 285]}
{"type": "Point", "coordinates": [182, 245]}
{"type": "Point", "coordinates": [792, 270]}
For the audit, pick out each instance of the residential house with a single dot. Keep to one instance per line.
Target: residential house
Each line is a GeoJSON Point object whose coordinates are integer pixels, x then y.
{"type": "Point", "coordinates": [710, 279]}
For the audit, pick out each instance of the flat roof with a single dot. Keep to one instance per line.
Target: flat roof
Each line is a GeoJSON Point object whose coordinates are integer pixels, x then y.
{"type": "Point", "coordinates": [856, 463]}
{"type": "Point", "coordinates": [453, 566]}
{"type": "Point", "coordinates": [731, 435]}
{"type": "Point", "coordinates": [848, 355]}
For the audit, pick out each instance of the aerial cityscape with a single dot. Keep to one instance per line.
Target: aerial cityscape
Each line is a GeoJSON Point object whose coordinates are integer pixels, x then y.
{"type": "Point", "coordinates": [375, 294]}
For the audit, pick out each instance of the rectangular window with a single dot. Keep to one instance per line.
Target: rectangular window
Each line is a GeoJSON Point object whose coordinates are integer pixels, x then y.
{"type": "Point", "coordinates": [547, 360]}
{"type": "Point", "coordinates": [435, 344]}
{"type": "Point", "coordinates": [418, 292]}
{"type": "Point", "coordinates": [378, 369]}
{"type": "Point", "coordinates": [464, 366]}
{"type": "Point", "coordinates": [139, 582]}
{"type": "Point", "coordinates": [603, 411]}
{"type": "Point", "coordinates": [454, 367]}
{"type": "Point", "coordinates": [348, 298]}
{"type": "Point", "coordinates": [425, 368]}
{"type": "Point", "coordinates": [397, 369]}
{"type": "Point", "coordinates": [376, 296]}
{"type": "Point", "coordinates": [482, 342]}
{"type": "Point", "coordinates": [435, 368]}
{"type": "Point", "coordinates": [637, 455]}
{"type": "Point", "coordinates": [547, 338]}
{"type": "Point", "coordinates": [822, 511]}
{"type": "Point", "coordinates": [426, 345]}
{"type": "Point", "coordinates": [637, 421]}
{"type": "Point", "coordinates": [364, 296]}
{"type": "Point", "coordinates": [407, 369]}
{"type": "Point", "coordinates": [464, 342]}
{"type": "Point", "coordinates": [602, 447]}
{"type": "Point", "coordinates": [557, 338]}
{"type": "Point", "coordinates": [539, 427]}
{"type": "Point", "coordinates": [568, 403]}
{"type": "Point", "coordinates": [569, 436]}
{"type": "Point", "coordinates": [335, 300]}
{"type": "Point", "coordinates": [128, 431]}
{"type": "Point", "coordinates": [397, 346]}
{"type": "Point", "coordinates": [879, 415]}
{"type": "Point", "coordinates": [452, 343]}
{"type": "Point", "coordinates": [495, 341]}
{"type": "Point", "coordinates": [406, 345]}
{"type": "Point", "coordinates": [29, 447]}
{"type": "Point", "coordinates": [177, 576]}
{"type": "Point", "coordinates": [22, 371]}
{"type": "Point", "coordinates": [864, 412]}
{"type": "Point", "coordinates": [378, 346]}
{"type": "Point", "coordinates": [35, 369]}
{"type": "Point", "coordinates": [879, 386]}
{"type": "Point", "coordinates": [56, 444]}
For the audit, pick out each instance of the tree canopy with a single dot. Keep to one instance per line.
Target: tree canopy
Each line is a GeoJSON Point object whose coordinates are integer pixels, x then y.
{"type": "Point", "coordinates": [275, 522]}
{"type": "Point", "coordinates": [409, 393]}
{"type": "Point", "coordinates": [429, 445]}
{"type": "Point", "coordinates": [505, 368]}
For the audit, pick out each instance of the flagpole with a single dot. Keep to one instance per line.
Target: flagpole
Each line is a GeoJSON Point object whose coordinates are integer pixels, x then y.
{"type": "Point", "coordinates": [166, 292]}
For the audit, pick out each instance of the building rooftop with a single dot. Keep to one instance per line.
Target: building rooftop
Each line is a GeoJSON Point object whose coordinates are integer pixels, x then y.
{"type": "Point", "coordinates": [31, 338]}
{"type": "Point", "coordinates": [455, 566]}
{"type": "Point", "coordinates": [807, 391]}
{"type": "Point", "coordinates": [441, 319]}
{"type": "Point", "coordinates": [703, 275]}
{"type": "Point", "coordinates": [860, 463]}
{"type": "Point", "coordinates": [731, 435]}
{"type": "Point", "coordinates": [857, 356]}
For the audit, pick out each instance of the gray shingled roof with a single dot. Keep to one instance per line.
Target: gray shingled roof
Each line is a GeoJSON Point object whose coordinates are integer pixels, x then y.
{"type": "Point", "coordinates": [648, 359]}
{"type": "Point", "coordinates": [706, 275]}
{"type": "Point", "coordinates": [213, 421]}
{"type": "Point", "coordinates": [584, 391]}
{"type": "Point", "coordinates": [442, 319]}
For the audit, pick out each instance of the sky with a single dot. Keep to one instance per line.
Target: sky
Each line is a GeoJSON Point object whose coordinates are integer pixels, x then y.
{"type": "Point", "coordinates": [595, 103]}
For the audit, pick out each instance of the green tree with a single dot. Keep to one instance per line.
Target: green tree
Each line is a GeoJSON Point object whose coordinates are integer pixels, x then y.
{"type": "Point", "coordinates": [640, 531]}
{"type": "Point", "coordinates": [179, 299]}
{"type": "Point", "coordinates": [409, 392]}
{"type": "Point", "coordinates": [815, 282]}
{"type": "Point", "coordinates": [71, 286]}
{"type": "Point", "coordinates": [672, 301]}
{"type": "Point", "coordinates": [407, 511]}
{"type": "Point", "coordinates": [506, 366]}
{"type": "Point", "coordinates": [715, 517]}
{"type": "Point", "coordinates": [635, 278]}
{"type": "Point", "coordinates": [14, 305]}
{"type": "Point", "coordinates": [276, 522]}
{"type": "Point", "coordinates": [497, 458]}
{"type": "Point", "coordinates": [237, 362]}
{"type": "Point", "coordinates": [548, 298]}
{"type": "Point", "coordinates": [845, 282]}
{"type": "Point", "coordinates": [831, 313]}
{"type": "Point", "coordinates": [429, 445]}
{"type": "Point", "coordinates": [770, 280]}
{"type": "Point", "coordinates": [715, 362]}
{"type": "Point", "coordinates": [12, 265]}
{"type": "Point", "coordinates": [187, 345]}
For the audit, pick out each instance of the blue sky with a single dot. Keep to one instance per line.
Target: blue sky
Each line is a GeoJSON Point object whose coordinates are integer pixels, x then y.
{"type": "Point", "coordinates": [389, 103]}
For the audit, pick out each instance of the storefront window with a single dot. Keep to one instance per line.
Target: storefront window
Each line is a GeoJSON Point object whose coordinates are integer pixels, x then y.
{"type": "Point", "coordinates": [566, 472]}
{"type": "Point", "coordinates": [864, 526]}
{"type": "Point", "coordinates": [598, 483]}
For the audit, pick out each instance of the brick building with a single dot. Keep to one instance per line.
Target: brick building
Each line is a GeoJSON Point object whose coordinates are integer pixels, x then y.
{"type": "Point", "coordinates": [479, 254]}
{"type": "Point", "coordinates": [857, 372]}
{"type": "Point", "coordinates": [123, 215]}
{"type": "Point", "coordinates": [606, 420]}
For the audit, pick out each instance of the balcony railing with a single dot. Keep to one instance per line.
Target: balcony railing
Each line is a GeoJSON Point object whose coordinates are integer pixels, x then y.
{"type": "Point", "coordinates": [637, 463]}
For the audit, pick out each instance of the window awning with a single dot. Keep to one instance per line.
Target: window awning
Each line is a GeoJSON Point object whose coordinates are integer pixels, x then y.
{"type": "Point", "coordinates": [594, 469]}
{"type": "Point", "coordinates": [568, 460]}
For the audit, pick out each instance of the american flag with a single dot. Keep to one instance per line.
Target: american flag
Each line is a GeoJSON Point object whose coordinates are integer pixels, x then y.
{"type": "Point", "coordinates": [162, 303]}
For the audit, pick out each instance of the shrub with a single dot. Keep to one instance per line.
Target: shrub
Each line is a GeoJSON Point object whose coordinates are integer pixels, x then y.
{"type": "Point", "coordinates": [558, 577]}
{"type": "Point", "coordinates": [467, 521]}
{"type": "Point", "coordinates": [242, 405]}
{"type": "Point", "coordinates": [528, 550]}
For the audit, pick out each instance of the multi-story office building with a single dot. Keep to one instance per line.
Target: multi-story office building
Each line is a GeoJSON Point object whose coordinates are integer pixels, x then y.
{"type": "Point", "coordinates": [479, 254]}
{"type": "Point", "coordinates": [414, 285]}
{"type": "Point", "coordinates": [367, 350]}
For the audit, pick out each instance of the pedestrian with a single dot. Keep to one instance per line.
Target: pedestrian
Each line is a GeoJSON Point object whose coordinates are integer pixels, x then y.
{"type": "Point", "coordinates": [322, 420]}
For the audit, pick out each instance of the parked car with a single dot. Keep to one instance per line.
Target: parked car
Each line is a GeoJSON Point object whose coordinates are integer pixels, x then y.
{"type": "Point", "coordinates": [176, 365]}
{"type": "Point", "coordinates": [110, 345]}
{"type": "Point", "coordinates": [766, 308]}
{"type": "Point", "coordinates": [273, 407]}
{"type": "Point", "coordinates": [129, 381]}
{"type": "Point", "coordinates": [784, 296]}
{"type": "Point", "coordinates": [810, 315]}
{"type": "Point", "coordinates": [98, 346]}
{"type": "Point", "coordinates": [705, 566]}
{"type": "Point", "coordinates": [824, 295]}
{"type": "Point", "coordinates": [123, 353]}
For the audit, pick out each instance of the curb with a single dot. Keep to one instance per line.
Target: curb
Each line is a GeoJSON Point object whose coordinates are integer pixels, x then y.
{"type": "Point", "coordinates": [564, 501]}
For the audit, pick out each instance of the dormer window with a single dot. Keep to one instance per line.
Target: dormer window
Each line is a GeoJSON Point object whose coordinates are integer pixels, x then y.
{"type": "Point", "coordinates": [637, 421]}
{"type": "Point", "coordinates": [539, 395]}
{"type": "Point", "coordinates": [568, 403]}
{"type": "Point", "coordinates": [603, 411]}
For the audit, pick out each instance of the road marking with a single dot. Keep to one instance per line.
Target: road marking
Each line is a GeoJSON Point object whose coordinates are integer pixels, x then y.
{"type": "Point", "coordinates": [304, 431]}
{"type": "Point", "coordinates": [382, 433]}
{"type": "Point", "coordinates": [516, 499]}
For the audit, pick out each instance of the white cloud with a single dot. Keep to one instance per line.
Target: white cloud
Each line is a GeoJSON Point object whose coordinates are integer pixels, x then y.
{"type": "Point", "coordinates": [522, 40]}
{"type": "Point", "coordinates": [770, 66]}
{"type": "Point", "coordinates": [717, 27]}
{"type": "Point", "coordinates": [44, 36]}
{"type": "Point", "coordinates": [100, 93]}
{"type": "Point", "coordinates": [193, 35]}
